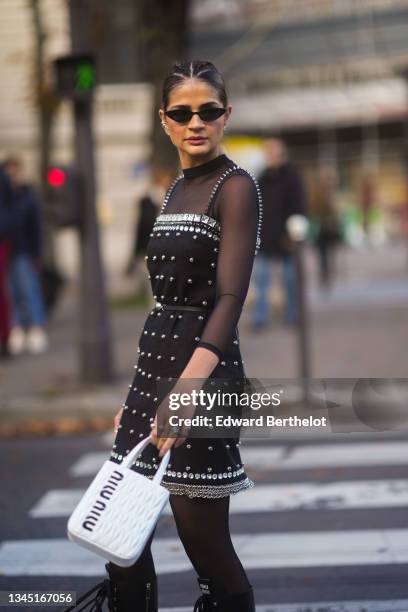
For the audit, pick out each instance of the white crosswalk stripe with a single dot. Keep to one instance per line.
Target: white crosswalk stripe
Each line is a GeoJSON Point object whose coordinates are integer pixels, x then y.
{"type": "Point", "coordinates": [270, 498]}
{"type": "Point", "coordinates": [263, 550]}
{"type": "Point", "coordinates": [400, 605]}
{"type": "Point", "coordinates": [307, 456]}
{"type": "Point", "coordinates": [300, 434]}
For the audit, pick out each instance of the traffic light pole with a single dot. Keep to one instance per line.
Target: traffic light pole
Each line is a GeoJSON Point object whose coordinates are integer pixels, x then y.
{"type": "Point", "coordinates": [303, 324]}
{"type": "Point", "coordinates": [96, 359]}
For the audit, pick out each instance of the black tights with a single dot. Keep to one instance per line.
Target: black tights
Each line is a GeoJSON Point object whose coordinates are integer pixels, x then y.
{"type": "Point", "coordinates": [203, 527]}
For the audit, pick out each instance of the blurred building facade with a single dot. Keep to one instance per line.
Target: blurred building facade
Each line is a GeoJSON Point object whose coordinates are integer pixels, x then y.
{"type": "Point", "coordinates": [122, 123]}
{"type": "Point", "coordinates": [324, 74]}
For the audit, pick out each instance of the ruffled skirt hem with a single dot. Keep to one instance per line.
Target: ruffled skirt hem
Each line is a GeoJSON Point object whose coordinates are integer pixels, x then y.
{"type": "Point", "coordinates": [208, 491]}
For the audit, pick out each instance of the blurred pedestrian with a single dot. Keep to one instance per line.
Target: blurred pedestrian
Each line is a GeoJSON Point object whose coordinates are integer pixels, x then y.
{"type": "Point", "coordinates": [28, 327]}
{"type": "Point", "coordinates": [147, 209]}
{"type": "Point", "coordinates": [326, 222]}
{"type": "Point", "coordinates": [6, 233]}
{"type": "Point", "coordinates": [283, 195]}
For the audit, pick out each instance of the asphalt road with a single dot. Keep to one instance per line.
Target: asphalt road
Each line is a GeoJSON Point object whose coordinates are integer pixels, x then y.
{"type": "Point", "coordinates": [325, 529]}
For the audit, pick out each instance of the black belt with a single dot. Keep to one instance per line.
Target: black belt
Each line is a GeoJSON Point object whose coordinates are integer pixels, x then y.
{"type": "Point", "coordinates": [175, 307]}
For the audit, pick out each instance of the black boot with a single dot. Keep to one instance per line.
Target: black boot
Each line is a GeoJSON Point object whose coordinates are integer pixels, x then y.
{"type": "Point", "coordinates": [215, 600]}
{"type": "Point", "coordinates": [101, 592]}
{"type": "Point", "coordinates": [131, 595]}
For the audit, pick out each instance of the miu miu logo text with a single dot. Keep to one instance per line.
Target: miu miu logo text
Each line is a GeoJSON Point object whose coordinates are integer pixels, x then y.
{"type": "Point", "coordinates": [99, 506]}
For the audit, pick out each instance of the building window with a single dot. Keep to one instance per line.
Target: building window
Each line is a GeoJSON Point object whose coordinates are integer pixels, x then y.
{"type": "Point", "coordinates": [116, 41]}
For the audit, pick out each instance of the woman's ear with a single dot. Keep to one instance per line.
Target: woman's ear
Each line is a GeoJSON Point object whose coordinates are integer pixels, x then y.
{"type": "Point", "coordinates": [227, 115]}
{"type": "Point", "coordinates": [164, 125]}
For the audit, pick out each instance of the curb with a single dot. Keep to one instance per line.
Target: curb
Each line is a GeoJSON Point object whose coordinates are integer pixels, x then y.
{"type": "Point", "coordinates": [55, 427]}
{"type": "Point", "coordinates": [73, 414]}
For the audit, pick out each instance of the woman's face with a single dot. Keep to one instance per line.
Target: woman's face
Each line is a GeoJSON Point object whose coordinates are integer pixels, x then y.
{"type": "Point", "coordinates": [196, 138]}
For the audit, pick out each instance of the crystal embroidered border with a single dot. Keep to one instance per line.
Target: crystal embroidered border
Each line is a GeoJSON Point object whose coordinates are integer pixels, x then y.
{"type": "Point", "coordinates": [185, 222]}
{"type": "Point", "coordinates": [188, 217]}
{"type": "Point", "coordinates": [192, 475]}
{"type": "Point", "coordinates": [185, 475]}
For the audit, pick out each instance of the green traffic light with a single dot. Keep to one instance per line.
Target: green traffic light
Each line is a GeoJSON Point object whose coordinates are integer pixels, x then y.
{"type": "Point", "coordinates": [85, 77]}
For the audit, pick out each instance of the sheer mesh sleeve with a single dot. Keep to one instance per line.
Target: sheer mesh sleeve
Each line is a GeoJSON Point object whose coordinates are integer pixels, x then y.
{"type": "Point", "coordinates": [238, 214]}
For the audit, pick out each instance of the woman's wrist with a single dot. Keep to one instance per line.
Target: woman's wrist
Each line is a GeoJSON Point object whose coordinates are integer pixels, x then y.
{"type": "Point", "coordinates": [201, 364]}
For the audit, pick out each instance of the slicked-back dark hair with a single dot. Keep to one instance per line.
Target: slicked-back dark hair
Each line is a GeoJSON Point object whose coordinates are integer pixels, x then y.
{"type": "Point", "coordinates": [197, 69]}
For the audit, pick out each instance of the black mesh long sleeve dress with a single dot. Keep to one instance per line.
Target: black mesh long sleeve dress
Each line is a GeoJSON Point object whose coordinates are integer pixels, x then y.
{"type": "Point", "coordinates": [200, 254]}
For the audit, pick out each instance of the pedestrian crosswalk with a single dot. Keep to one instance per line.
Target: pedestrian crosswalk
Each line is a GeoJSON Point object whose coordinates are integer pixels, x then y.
{"type": "Point", "coordinates": [270, 498]}
{"type": "Point", "coordinates": [256, 551]}
{"type": "Point", "coordinates": [335, 511]}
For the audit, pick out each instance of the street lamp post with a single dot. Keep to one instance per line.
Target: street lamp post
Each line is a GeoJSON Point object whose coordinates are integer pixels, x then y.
{"type": "Point", "coordinates": [297, 226]}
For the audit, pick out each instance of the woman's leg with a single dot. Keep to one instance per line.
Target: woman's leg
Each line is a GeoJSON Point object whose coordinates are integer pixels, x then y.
{"type": "Point", "coordinates": [203, 527]}
{"type": "Point", "coordinates": [136, 587]}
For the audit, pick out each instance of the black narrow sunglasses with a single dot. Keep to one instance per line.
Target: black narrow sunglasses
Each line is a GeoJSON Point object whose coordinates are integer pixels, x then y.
{"type": "Point", "coordinates": [184, 115]}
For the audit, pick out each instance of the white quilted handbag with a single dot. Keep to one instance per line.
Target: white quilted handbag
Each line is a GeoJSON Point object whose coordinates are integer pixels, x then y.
{"type": "Point", "coordinates": [119, 510]}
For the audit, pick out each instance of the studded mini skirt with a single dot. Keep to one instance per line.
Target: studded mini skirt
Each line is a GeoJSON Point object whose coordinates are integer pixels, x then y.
{"type": "Point", "coordinates": [182, 263]}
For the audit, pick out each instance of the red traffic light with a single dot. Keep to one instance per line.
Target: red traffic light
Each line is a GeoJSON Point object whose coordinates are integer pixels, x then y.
{"type": "Point", "coordinates": [64, 195]}
{"type": "Point", "coordinates": [56, 177]}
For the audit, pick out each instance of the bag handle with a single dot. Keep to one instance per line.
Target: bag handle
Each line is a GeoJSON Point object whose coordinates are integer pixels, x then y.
{"type": "Point", "coordinates": [135, 452]}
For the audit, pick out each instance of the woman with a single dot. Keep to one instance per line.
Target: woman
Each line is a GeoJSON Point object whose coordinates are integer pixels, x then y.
{"type": "Point", "coordinates": [200, 257]}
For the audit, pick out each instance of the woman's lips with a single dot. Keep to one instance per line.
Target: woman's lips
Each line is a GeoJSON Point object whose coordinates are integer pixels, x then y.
{"type": "Point", "coordinates": [196, 141]}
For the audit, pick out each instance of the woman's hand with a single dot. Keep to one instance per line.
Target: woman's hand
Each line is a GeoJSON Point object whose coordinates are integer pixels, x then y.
{"type": "Point", "coordinates": [164, 443]}
{"type": "Point", "coordinates": [180, 433]}
{"type": "Point", "coordinates": [116, 420]}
